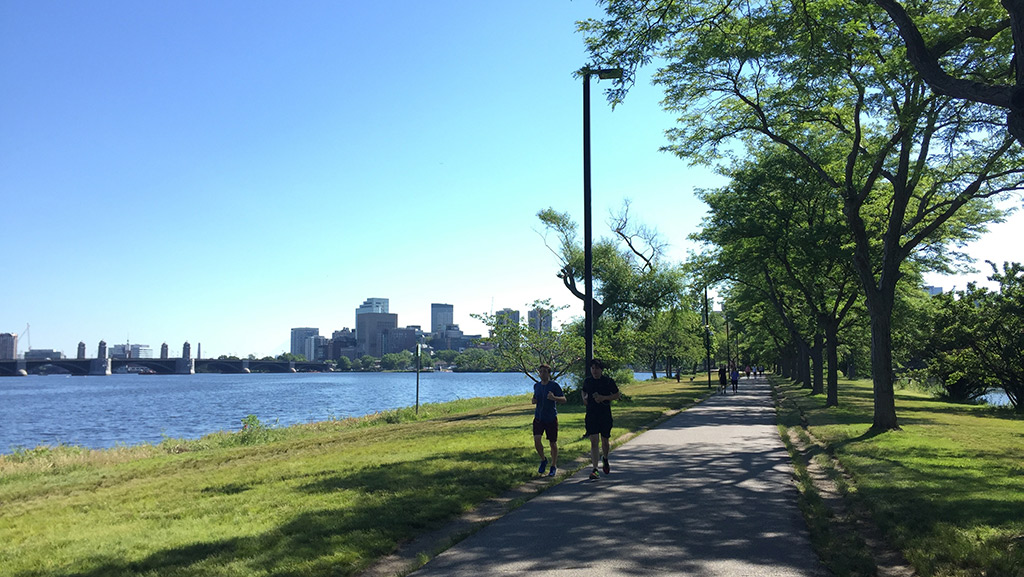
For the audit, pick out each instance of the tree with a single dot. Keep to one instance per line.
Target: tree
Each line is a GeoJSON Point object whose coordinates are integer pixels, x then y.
{"type": "Point", "coordinates": [627, 279]}
{"type": "Point", "coordinates": [518, 347]}
{"type": "Point", "coordinates": [972, 52]}
{"type": "Point", "coordinates": [981, 339]}
{"type": "Point", "coordinates": [667, 338]}
{"type": "Point", "coordinates": [475, 361]}
{"type": "Point", "coordinates": [779, 230]}
{"type": "Point", "coordinates": [396, 361]}
{"type": "Point", "coordinates": [368, 362]}
{"type": "Point", "coordinates": [918, 171]}
{"type": "Point", "coordinates": [344, 364]}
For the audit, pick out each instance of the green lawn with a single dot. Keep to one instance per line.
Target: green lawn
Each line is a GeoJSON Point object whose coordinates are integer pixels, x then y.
{"type": "Point", "coordinates": [947, 489]}
{"type": "Point", "coordinates": [319, 499]}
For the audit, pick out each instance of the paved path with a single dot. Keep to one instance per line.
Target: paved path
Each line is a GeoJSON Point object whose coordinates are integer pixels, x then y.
{"type": "Point", "coordinates": [709, 492]}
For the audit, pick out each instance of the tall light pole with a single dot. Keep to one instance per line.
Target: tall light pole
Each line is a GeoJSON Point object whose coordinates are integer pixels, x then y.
{"type": "Point", "coordinates": [588, 264]}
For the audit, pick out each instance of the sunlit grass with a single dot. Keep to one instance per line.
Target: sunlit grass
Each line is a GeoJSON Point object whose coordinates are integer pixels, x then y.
{"type": "Point", "coordinates": [947, 489]}
{"type": "Point", "coordinates": [324, 498]}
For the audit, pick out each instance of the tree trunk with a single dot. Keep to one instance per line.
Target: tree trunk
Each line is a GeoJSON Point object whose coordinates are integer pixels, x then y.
{"type": "Point", "coordinates": [880, 310]}
{"type": "Point", "coordinates": [804, 365]}
{"type": "Point", "coordinates": [831, 351]}
{"type": "Point", "coordinates": [817, 387]}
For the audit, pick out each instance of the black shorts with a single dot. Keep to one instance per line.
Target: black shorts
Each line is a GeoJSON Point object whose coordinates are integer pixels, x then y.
{"type": "Point", "coordinates": [598, 423]}
{"type": "Point", "coordinates": [550, 428]}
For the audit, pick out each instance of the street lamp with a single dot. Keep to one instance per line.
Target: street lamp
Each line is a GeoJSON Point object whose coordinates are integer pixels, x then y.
{"type": "Point", "coordinates": [588, 265]}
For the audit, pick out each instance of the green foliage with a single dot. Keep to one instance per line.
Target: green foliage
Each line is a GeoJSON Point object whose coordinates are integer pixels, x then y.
{"type": "Point", "coordinates": [288, 357]}
{"type": "Point", "coordinates": [978, 341]}
{"type": "Point", "coordinates": [520, 348]}
{"type": "Point", "coordinates": [476, 361]}
{"type": "Point", "coordinates": [254, 431]}
{"type": "Point", "coordinates": [344, 364]}
{"type": "Point", "coordinates": [397, 361]}
{"type": "Point", "coordinates": [367, 363]}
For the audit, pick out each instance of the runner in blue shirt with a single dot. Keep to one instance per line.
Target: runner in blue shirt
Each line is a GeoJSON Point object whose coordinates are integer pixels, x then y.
{"type": "Point", "coordinates": [546, 395]}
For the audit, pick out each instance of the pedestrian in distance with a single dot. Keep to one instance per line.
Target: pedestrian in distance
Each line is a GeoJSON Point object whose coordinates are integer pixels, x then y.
{"type": "Point", "coordinates": [598, 393]}
{"type": "Point", "coordinates": [547, 394]}
{"type": "Point", "coordinates": [722, 378]}
{"type": "Point", "coordinates": [735, 377]}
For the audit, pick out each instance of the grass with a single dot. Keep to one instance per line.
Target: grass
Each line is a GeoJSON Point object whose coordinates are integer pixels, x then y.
{"type": "Point", "coordinates": [947, 490]}
{"type": "Point", "coordinates": [324, 498]}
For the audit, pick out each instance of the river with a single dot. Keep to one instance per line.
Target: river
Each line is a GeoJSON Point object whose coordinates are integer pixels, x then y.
{"type": "Point", "coordinates": [102, 412]}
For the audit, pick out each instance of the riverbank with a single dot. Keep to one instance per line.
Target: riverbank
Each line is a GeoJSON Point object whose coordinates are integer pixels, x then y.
{"type": "Point", "coordinates": [324, 498]}
{"type": "Point", "coordinates": [332, 497]}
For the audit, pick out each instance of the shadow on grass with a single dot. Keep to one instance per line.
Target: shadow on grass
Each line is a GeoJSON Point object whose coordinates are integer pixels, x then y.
{"type": "Point", "coordinates": [393, 503]}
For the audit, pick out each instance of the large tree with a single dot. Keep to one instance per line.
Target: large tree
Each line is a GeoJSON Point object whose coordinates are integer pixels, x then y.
{"type": "Point", "coordinates": [778, 229]}
{"type": "Point", "coordinates": [630, 275]}
{"type": "Point", "coordinates": [969, 50]}
{"type": "Point", "coordinates": [917, 170]}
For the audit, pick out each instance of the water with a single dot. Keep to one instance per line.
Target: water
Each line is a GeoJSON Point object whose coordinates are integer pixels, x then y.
{"type": "Point", "coordinates": [997, 398]}
{"type": "Point", "coordinates": [101, 412]}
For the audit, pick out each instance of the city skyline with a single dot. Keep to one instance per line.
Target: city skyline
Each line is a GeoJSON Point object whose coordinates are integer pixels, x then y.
{"type": "Point", "coordinates": [221, 174]}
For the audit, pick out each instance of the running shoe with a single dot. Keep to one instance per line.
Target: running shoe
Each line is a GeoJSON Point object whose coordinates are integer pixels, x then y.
{"type": "Point", "coordinates": [604, 465]}
{"type": "Point", "coordinates": [553, 471]}
{"type": "Point", "coordinates": [543, 465]}
{"type": "Point", "coordinates": [593, 475]}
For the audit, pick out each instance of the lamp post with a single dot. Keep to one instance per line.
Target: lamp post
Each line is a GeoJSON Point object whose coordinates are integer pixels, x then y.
{"type": "Point", "coordinates": [588, 264]}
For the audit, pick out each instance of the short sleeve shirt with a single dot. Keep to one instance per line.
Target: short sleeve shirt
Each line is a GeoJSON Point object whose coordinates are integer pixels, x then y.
{"type": "Point", "coordinates": [546, 410]}
{"type": "Point", "coordinates": [603, 386]}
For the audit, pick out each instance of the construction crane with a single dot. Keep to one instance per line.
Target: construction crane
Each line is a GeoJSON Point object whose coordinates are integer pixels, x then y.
{"type": "Point", "coordinates": [28, 337]}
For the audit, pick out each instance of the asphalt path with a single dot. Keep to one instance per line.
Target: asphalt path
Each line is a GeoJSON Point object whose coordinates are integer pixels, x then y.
{"type": "Point", "coordinates": [708, 492]}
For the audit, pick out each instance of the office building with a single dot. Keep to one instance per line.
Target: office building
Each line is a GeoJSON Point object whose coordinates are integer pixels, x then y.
{"type": "Point", "coordinates": [506, 316]}
{"type": "Point", "coordinates": [397, 340]}
{"type": "Point", "coordinates": [933, 291]}
{"type": "Point", "coordinates": [316, 348]}
{"type": "Point", "coordinates": [343, 344]}
{"type": "Point", "coordinates": [130, 351]}
{"type": "Point", "coordinates": [299, 336]}
{"type": "Point", "coordinates": [539, 320]}
{"type": "Point", "coordinates": [8, 346]}
{"type": "Point", "coordinates": [370, 328]}
{"type": "Point", "coordinates": [441, 315]}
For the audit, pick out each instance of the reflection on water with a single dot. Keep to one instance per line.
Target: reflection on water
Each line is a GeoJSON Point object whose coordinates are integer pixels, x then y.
{"type": "Point", "coordinates": [101, 412]}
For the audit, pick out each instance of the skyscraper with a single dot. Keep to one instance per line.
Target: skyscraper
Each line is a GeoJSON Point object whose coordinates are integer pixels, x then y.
{"type": "Point", "coordinates": [370, 329]}
{"type": "Point", "coordinates": [441, 315]}
{"type": "Point", "coordinates": [299, 336]}
{"type": "Point", "coordinates": [506, 315]}
{"type": "Point", "coordinates": [371, 305]}
{"type": "Point", "coordinates": [8, 346]}
{"type": "Point", "coordinates": [539, 320]}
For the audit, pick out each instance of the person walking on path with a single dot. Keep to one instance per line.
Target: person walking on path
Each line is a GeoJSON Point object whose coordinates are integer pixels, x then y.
{"type": "Point", "coordinates": [707, 492]}
{"type": "Point", "coordinates": [722, 378]}
{"type": "Point", "coordinates": [598, 393]}
{"type": "Point", "coordinates": [735, 377]}
{"type": "Point", "coordinates": [546, 395]}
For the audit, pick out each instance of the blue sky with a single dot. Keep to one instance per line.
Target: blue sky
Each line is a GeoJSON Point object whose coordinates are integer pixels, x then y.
{"type": "Point", "coordinates": [219, 172]}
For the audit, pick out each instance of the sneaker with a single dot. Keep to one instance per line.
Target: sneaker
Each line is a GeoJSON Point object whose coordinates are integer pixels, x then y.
{"type": "Point", "coordinates": [553, 471]}
{"type": "Point", "coordinates": [604, 465]}
{"type": "Point", "coordinates": [543, 465]}
{"type": "Point", "coordinates": [593, 475]}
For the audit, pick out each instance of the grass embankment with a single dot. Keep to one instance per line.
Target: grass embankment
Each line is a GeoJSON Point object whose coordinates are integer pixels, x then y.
{"type": "Point", "coordinates": [318, 499]}
{"type": "Point", "coordinates": [947, 490]}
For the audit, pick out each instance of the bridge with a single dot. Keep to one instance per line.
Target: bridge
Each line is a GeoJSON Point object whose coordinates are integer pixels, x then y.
{"type": "Point", "coordinates": [81, 367]}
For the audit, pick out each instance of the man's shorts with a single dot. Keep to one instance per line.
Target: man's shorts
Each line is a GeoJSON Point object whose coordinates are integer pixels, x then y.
{"type": "Point", "coordinates": [550, 428]}
{"type": "Point", "coordinates": [598, 423]}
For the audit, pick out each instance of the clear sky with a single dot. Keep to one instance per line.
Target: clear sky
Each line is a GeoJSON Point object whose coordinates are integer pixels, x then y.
{"type": "Point", "coordinates": [220, 172]}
